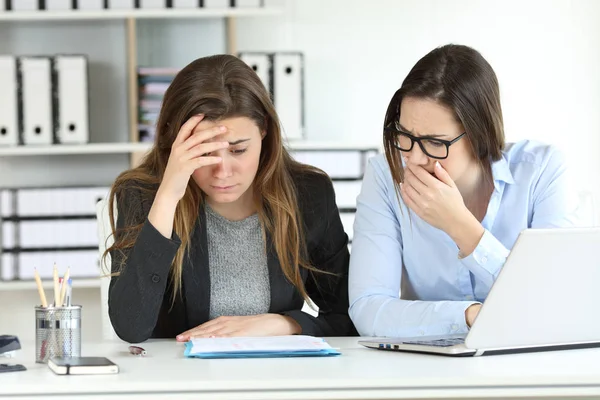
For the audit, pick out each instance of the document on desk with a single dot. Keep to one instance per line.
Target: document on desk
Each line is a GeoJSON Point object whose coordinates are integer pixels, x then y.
{"type": "Point", "coordinates": [259, 347]}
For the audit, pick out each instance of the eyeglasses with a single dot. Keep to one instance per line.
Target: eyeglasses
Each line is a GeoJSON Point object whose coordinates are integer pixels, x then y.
{"type": "Point", "coordinates": [434, 148]}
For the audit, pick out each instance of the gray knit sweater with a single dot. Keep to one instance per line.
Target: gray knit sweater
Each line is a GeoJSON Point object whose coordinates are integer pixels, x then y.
{"type": "Point", "coordinates": [239, 278]}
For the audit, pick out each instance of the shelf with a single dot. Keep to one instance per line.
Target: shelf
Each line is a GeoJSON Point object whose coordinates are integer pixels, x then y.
{"type": "Point", "coordinates": [330, 145]}
{"type": "Point", "coordinates": [118, 148]}
{"type": "Point", "coordinates": [137, 14]}
{"type": "Point", "coordinates": [63, 149]}
{"type": "Point", "coordinates": [47, 284]}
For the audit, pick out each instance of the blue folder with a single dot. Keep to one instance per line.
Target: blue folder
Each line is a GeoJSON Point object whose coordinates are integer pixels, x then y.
{"type": "Point", "coordinates": [259, 354]}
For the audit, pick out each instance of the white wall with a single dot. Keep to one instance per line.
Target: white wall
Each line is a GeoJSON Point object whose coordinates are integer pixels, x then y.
{"type": "Point", "coordinates": [357, 52]}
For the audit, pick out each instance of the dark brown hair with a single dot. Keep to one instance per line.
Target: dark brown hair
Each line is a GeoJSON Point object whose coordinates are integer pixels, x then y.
{"type": "Point", "coordinates": [459, 78]}
{"type": "Point", "coordinates": [220, 87]}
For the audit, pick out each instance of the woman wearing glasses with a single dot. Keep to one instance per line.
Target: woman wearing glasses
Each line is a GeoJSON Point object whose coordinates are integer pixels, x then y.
{"type": "Point", "coordinates": [437, 217]}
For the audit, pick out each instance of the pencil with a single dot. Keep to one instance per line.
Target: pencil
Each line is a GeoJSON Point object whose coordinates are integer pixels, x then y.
{"type": "Point", "coordinates": [56, 288]}
{"type": "Point", "coordinates": [38, 281]}
{"type": "Point", "coordinates": [63, 289]}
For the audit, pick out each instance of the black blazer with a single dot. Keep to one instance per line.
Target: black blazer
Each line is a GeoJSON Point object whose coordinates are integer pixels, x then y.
{"type": "Point", "coordinates": [140, 297]}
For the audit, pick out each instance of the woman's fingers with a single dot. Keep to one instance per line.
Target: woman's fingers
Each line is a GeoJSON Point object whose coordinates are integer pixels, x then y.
{"type": "Point", "coordinates": [200, 136]}
{"type": "Point", "coordinates": [206, 148]}
{"type": "Point", "coordinates": [188, 128]}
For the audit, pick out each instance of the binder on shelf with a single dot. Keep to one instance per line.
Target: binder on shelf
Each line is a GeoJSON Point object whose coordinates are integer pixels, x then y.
{"type": "Point", "coordinates": [216, 3]}
{"type": "Point", "coordinates": [35, 100]}
{"type": "Point", "coordinates": [70, 95]}
{"type": "Point", "coordinates": [120, 4]}
{"type": "Point", "coordinates": [89, 4]}
{"type": "Point", "coordinates": [82, 263]}
{"type": "Point", "coordinates": [288, 80]}
{"type": "Point", "coordinates": [59, 5]}
{"type": "Point", "coordinates": [24, 5]}
{"type": "Point", "coordinates": [338, 164]}
{"type": "Point", "coordinates": [8, 271]}
{"type": "Point", "coordinates": [6, 203]}
{"type": "Point", "coordinates": [261, 64]}
{"type": "Point", "coordinates": [58, 201]}
{"type": "Point", "coordinates": [150, 4]}
{"type": "Point", "coordinates": [51, 233]}
{"type": "Point", "coordinates": [9, 235]}
{"type": "Point", "coordinates": [9, 127]}
{"type": "Point", "coordinates": [247, 3]}
{"type": "Point", "coordinates": [346, 193]}
{"type": "Point", "coordinates": [2, 6]}
{"type": "Point", "coordinates": [348, 223]}
{"type": "Point", "coordinates": [185, 3]}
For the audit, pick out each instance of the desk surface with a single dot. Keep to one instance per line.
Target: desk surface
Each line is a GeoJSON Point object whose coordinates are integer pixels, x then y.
{"type": "Point", "coordinates": [358, 373]}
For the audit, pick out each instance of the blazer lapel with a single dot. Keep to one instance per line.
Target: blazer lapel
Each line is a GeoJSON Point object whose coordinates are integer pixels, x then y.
{"type": "Point", "coordinates": [282, 291]}
{"type": "Point", "coordinates": [196, 275]}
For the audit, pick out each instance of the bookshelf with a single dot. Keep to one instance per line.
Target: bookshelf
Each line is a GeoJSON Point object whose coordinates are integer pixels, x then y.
{"type": "Point", "coordinates": [85, 283]}
{"type": "Point", "coordinates": [22, 16]}
{"type": "Point", "coordinates": [116, 43]}
{"type": "Point", "coordinates": [90, 148]}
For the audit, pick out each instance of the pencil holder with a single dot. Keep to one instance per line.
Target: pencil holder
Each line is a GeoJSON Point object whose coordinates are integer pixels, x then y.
{"type": "Point", "coordinates": [57, 332]}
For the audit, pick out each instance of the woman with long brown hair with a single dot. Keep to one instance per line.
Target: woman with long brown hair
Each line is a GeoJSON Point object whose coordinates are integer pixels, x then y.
{"type": "Point", "coordinates": [438, 214]}
{"type": "Point", "coordinates": [219, 231]}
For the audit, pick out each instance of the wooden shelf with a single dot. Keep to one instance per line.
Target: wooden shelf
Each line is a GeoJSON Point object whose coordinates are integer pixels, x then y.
{"type": "Point", "coordinates": [63, 149]}
{"type": "Point", "coordinates": [30, 285]}
{"type": "Point", "coordinates": [137, 14]}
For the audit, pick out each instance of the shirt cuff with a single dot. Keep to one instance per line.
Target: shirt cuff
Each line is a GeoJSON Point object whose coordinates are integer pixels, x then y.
{"type": "Point", "coordinates": [487, 259]}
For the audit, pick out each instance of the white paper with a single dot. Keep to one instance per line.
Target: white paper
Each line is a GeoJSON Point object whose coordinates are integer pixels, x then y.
{"type": "Point", "coordinates": [247, 344]}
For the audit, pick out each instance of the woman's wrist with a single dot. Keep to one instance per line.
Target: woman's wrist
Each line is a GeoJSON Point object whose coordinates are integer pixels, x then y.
{"type": "Point", "coordinates": [467, 233]}
{"type": "Point", "coordinates": [291, 326]}
{"type": "Point", "coordinates": [162, 214]}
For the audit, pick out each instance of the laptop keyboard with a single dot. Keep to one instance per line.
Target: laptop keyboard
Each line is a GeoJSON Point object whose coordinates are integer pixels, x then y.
{"type": "Point", "coordinates": [438, 342]}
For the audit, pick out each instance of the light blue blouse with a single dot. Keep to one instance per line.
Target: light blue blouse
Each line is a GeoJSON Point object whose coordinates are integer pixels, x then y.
{"type": "Point", "coordinates": [406, 278]}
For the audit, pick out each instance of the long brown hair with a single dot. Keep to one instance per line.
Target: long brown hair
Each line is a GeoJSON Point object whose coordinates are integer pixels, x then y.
{"type": "Point", "coordinates": [220, 87]}
{"type": "Point", "coordinates": [460, 78]}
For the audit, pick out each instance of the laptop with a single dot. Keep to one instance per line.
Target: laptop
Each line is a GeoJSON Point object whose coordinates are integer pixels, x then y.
{"type": "Point", "coordinates": [546, 297]}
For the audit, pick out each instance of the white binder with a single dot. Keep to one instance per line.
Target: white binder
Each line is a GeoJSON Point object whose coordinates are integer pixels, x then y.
{"type": "Point", "coordinates": [44, 234]}
{"type": "Point", "coordinates": [59, 5]}
{"type": "Point", "coordinates": [261, 64]}
{"type": "Point", "coordinates": [9, 128]}
{"type": "Point", "coordinates": [338, 164]}
{"type": "Point", "coordinates": [90, 4]}
{"type": "Point", "coordinates": [71, 114]}
{"type": "Point", "coordinates": [216, 3]}
{"type": "Point", "coordinates": [25, 5]}
{"type": "Point", "coordinates": [36, 100]}
{"type": "Point", "coordinates": [2, 6]}
{"type": "Point", "coordinates": [348, 223]}
{"type": "Point", "coordinates": [186, 3]}
{"type": "Point", "coordinates": [82, 263]}
{"type": "Point", "coordinates": [59, 201]}
{"type": "Point", "coordinates": [346, 193]}
{"type": "Point", "coordinates": [7, 267]}
{"type": "Point", "coordinates": [288, 94]}
{"type": "Point", "coordinates": [149, 4]}
{"type": "Point", "coordinates": [9, 235]}
{"type": "Point", "coordinates": [248, 3]}
{"type": "Point", "coordinates": [121, 4]}
{"type": "Point", "coordinates": [6, 203]}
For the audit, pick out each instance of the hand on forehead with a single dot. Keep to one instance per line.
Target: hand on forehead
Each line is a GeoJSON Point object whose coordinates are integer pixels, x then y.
{"type": "Point", "coordinates": [237, 129]}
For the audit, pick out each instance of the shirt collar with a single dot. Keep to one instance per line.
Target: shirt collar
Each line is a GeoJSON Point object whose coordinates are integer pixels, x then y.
{"type": "Point", "coordinates": [501, 171]}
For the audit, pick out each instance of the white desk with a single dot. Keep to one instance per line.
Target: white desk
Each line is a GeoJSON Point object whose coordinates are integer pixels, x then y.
{"type": "Point", "coordinates": [359, 373]}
